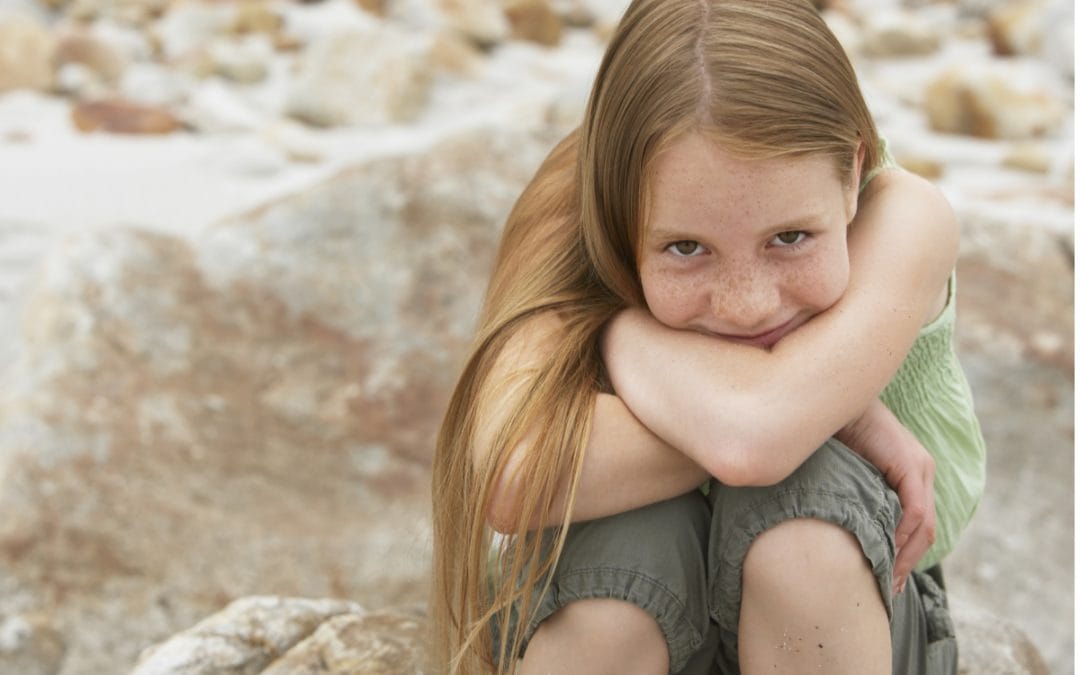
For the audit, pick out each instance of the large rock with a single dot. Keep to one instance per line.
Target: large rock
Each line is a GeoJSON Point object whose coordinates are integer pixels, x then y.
{"type": "Point", "coordinates": [245, 637]}
{"type": "Point", "coordinates": [253, 413]}
{"type": "Point", "coordinates": [288, 636]}
{"type": "Point", "coordinates": [1015, 339]}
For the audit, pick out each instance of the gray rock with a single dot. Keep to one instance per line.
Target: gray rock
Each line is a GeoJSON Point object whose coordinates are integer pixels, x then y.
{"type": "Point", "coordinates": [250, 413]}
{"type": "Point", "coordinates": [338, 641]}
{"type": "Point", "coordinates": [243, 638]}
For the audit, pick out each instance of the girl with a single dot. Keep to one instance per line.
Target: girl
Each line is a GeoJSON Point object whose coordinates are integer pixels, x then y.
{"type": "Point", "coordinates": [711, 183]}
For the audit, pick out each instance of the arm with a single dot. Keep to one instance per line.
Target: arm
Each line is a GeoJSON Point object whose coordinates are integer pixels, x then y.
{"type": "Point", "coordinates": [626, 466]}
{"type": "Point", "coordinates": [909, 469]}
{"type": "Point", "coordinates": [750, 416]}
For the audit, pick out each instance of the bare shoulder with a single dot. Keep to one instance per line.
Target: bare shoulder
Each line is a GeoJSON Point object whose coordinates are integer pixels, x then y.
{"type": "Point", "coordinates": [914, 203]}
{"type": "Point", "coordinates": [904, 222]}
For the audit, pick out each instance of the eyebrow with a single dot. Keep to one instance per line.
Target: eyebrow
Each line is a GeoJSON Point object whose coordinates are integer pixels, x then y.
{"type": "Point", "coordinates": [800, 223]}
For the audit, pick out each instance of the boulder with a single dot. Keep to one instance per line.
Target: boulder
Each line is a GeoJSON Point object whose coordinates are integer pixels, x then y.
{"type": "Point", "coordinates": [252, 412]}
{"type": "Point", "coordinates": [245, 637]}
{"type": "Point", "coordinates": [394, 641]}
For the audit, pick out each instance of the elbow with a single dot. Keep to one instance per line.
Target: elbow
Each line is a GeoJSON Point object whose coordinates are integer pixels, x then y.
{"type": "Point", "coordinates": [750, 465]}
{"type": "Point", "coordinates": [503, 509]}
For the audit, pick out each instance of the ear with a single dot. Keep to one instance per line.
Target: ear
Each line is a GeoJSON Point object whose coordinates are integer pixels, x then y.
{"type": "Point", "coordinates": [856, 180]}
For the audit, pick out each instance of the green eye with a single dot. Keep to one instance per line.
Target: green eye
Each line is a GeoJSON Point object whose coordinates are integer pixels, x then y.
{"type": "Point", "coordinates": [685, 248]}
{"type": "Point", "coordinates": [789, 238]}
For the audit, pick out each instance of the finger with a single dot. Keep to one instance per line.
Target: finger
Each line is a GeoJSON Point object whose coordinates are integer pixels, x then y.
{"type": "Point", "coordinates": [911, 520]}
{"type": "Point", "coordinates": [909, 555]}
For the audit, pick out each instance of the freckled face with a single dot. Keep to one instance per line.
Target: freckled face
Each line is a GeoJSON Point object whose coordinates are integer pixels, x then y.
{"type": "Point", "coordinates": [747, 250]}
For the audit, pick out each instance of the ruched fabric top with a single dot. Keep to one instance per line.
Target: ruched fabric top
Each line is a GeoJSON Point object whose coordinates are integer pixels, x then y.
{"type": "Point", "coordinates": [932, 398]}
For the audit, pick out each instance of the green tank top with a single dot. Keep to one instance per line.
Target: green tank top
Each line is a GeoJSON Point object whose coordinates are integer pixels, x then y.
{"type": "Point", "coordinates": [931, 397]}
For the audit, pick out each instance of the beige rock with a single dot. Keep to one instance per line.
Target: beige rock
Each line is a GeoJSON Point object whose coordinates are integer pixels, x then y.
{"type": "Point", "coordinates": [534, 20]}
{"type": "Point", "coordinates": [250, 413]}
{"type": "Point", "coordinates": [992, 646]}
{"type": "Point", "coordinates": [371, 77]}
{"type": "Point", "coordinates": [452, 52]}
{"type": "Point", "coordinates": [394, 641]}
{"type": "Point", "coordinates": [928, 168]}
{"type": "Point", "coordinates": [376, 7]}
{"type": "Point", "coordinates": [389, 642]}
{"type": "Point", "coordinates": [1016, 28]}
{"type": "Point", "coordinates": [26, 54]}
{"type": "Point", "coordinates": [482, 20]}
{"type": "Point", "coordinates": [1037, 28]}
{"type": "Point", "coordinates": [30, 646]}
{"type": "Point", "coordinates": [899, 34]}
{"type": "Point", "coordinates": [245, 61]}
{"type": "Point", "coordinates": [123, 117]}
{"type": "Point", "coordinates": [98, 56]}
{"type": "Point", "coordinates": [573, 13]}
{"type": "Point", "coordinates": [1002, 101]}
{"type": "Point", "coordinates": [245, 637]}
{"type": "Point", "coordinates": [254, 16]}
{"type": "Point", "coordinates": [192, 25]}
{"type": "Point", "coordinates": [1028, 157]}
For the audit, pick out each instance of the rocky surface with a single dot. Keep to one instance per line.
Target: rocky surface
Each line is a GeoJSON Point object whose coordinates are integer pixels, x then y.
{"type": "Point", "coordinates": [252, 413]}
{"type": "Point", "coordinates": [234, 394]}
{"type": "Point", "coordinates": [287, 636]}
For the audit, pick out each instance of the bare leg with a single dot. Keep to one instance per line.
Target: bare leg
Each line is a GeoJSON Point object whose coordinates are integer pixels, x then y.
{"type": "Point", "coordinates": [597, 637]}
{"type": "Point", "coordinates": [810, 604]}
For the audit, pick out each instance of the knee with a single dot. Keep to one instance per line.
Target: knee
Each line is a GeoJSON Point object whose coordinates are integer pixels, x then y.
{"type": "Point", "coordinates": [609, 620]}
{"type": "Point", "coordinates": [604, 635]}
{"type": "Point", "coordinates": [802, 554]}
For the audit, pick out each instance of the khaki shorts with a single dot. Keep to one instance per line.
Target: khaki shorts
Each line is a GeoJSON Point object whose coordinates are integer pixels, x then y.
{"type": "Point", "coordinates": [681, 561]}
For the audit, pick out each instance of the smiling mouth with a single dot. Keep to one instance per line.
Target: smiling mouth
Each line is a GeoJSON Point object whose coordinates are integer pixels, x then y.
{"type": "Point", "coordinates": [762, 340]}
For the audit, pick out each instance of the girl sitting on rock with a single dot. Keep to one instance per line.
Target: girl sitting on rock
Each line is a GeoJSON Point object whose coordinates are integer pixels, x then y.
{"type": "Point", "coordinates": [695, 306]}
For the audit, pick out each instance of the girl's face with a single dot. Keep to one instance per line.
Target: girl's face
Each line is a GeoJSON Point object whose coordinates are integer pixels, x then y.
{"type": "Point", "coordinates": [746, 250]}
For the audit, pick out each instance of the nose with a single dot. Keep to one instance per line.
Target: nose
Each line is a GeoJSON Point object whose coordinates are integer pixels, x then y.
{"type": "Point", "coordinates": [745, 300]}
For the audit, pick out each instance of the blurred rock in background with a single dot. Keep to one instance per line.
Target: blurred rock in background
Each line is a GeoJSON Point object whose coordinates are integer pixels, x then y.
{"type": "Point", "coordinates": [242, 245]}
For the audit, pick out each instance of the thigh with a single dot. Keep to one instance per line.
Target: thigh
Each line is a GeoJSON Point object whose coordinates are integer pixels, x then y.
{"type": "Point", "coordinates": [652, 557]}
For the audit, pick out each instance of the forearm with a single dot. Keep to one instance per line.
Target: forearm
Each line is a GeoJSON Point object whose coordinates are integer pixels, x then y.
{"type": "Point", "coordinates": [875, 435]}
{"type": "Point", "coordinates": [751, 416]}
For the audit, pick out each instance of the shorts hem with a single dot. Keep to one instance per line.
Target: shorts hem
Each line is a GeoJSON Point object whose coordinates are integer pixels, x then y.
{"type": "Point", "coordinates": [651, 595]}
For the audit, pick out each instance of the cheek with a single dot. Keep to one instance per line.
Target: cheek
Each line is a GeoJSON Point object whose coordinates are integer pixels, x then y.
{"type": "Point", "coordinates": [824, 280]}
{"type": "Point", "coordinates": [668, 297]}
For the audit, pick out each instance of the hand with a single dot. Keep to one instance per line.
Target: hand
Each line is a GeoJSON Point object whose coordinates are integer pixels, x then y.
{"type": "Point", "coordinates": [909, 469]}
{"type": "Point", "coordinates": [913, 480]}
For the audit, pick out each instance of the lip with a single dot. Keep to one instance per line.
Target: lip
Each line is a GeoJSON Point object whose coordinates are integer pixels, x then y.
{"type": "Point", "coordinates": [766, 339]}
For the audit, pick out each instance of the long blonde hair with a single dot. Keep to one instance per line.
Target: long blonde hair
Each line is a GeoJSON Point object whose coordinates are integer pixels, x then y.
{"type": "Point", "coordinates": [764, 78]}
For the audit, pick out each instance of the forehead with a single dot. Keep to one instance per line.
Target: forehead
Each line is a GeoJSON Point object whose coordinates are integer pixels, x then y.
{"type": "Point", "coordinates": [695, 180]}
